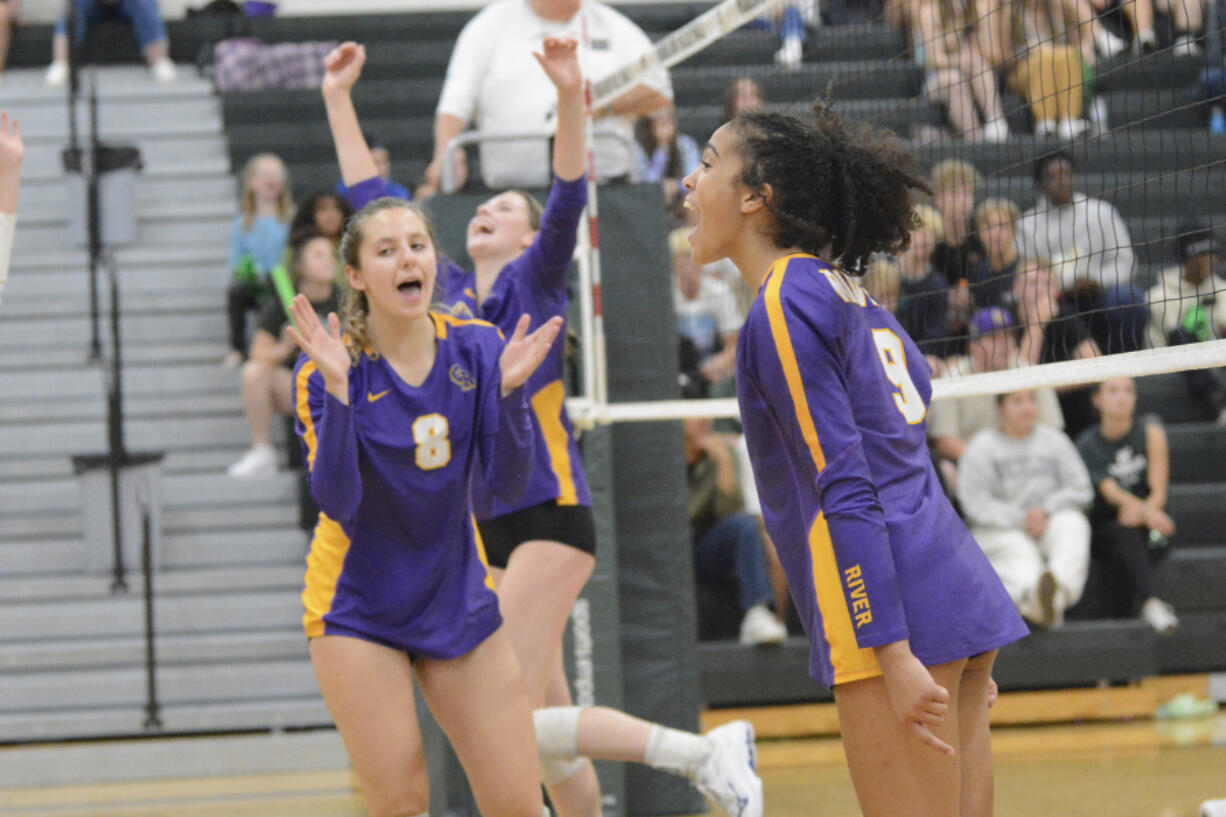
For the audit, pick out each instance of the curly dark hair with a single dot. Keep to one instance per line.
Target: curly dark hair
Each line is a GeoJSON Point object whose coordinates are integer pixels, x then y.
{"type": "Point", "coordinates": [304, 217]}
{"type": "Point", "coordinates": [839, 189]}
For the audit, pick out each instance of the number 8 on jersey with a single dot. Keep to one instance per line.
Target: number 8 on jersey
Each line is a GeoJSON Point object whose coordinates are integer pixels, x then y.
{"type": "Point", "coordinates": [433, 447]}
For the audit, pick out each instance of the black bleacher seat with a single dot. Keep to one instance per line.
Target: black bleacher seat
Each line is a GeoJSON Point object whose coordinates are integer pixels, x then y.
{"type": "Point", "coordinates": [1166, 395]}
{"type": "Point", "coordinates": [1198, 453]}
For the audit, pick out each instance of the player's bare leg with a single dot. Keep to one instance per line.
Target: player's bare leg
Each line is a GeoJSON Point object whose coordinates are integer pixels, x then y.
{"type": "Point", "coordinates": [480, 702]}
{"type": "Point", "coordinates": [975, 743]}
{"type": "Point", "coordinates": [369, 692]}
{"type": "Point", "coordinates": [892, 770]}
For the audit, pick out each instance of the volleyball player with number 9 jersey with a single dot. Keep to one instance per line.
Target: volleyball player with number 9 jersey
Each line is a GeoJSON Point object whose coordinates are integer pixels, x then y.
{"type": "Point", "coordinates": [904, 612]}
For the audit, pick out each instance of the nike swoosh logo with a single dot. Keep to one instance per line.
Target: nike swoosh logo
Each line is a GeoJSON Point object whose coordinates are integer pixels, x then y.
{"type": "Point", "coordinates": [370, 398]}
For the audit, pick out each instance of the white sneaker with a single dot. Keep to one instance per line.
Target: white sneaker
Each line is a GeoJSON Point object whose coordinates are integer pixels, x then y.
{"type": "Point", "coordinates": [57, 74]}
{"type": "Point", "coordinates": [761, 627]}
{"type": "Point", "coordinates": [1213, 808]}
{"type": "Point", "coordinates": [1070, 129]}
{"type": "Point", "coordinates": [260, 462]}
{"type": "Point", "coordinates": [1146, 43]}
{"type": "Point", "coordinates": [1045, 129]}
{"type": "Point", "coordinates": [995, 131]}
{"type": "Point", "coordinates": [164, 71]}
{"type": "Point", "coordinates": [728, 778]}
{"type": "Point", "coordinates": [1108, 44]}
{"type": "Point", "coordinates": [1185, 47]}
{"type": "Point", "coordinates": [1160, 615]}
{"type": "Point", "coordinates": [791, 54]}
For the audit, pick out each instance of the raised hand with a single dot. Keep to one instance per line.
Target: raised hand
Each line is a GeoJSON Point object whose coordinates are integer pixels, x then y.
{"type": "Point", "coordinates": [919, 702]}
{"type": "Point", "coordinates": [343, 67]}
{"type": "Point", "coordinates": [561, 63]}
{"type": "Point", "coordinates": [322, 345]}
{"type": "Point", "coordinates": [524, 352]}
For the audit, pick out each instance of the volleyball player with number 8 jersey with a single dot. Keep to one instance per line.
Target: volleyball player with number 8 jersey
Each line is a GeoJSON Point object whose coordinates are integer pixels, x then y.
{"type": "Point", "coordinates": [903, 611]}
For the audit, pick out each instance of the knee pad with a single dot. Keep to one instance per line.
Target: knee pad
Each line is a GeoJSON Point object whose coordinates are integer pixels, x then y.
{"type": "Point", "coordinates": [557, 732]}
{"type": "Point", "coordinates": [554, 772]}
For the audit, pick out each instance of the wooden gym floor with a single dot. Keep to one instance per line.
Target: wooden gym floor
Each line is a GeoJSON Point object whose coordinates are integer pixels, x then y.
{"type": "Point", "coordinates": [1135, 769]}
{"type": "Point", "coordinates": [1072, 753]}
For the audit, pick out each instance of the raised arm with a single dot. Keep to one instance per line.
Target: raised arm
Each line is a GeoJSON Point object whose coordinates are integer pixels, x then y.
{"type": "Point", "coordinates": [324, 413]}
{"type": "Point", "coordinates": [358, 170]}
{"type": "Point", "coordinates": [561, 64]}
{"type": "Point", "coordinates": [11, 152]}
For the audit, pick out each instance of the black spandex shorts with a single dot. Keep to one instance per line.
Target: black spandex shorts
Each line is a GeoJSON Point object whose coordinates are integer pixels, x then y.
{"type": "Point", "coordinates": [569, 524]}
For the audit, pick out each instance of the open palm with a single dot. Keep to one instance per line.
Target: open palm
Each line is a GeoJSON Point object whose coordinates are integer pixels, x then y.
{"type": "Point", "coordinates": [524, 352]}
{"type": "Point", "coordinates": [343, 67]}
{"type": "Point", "coordinates": [322, 345]}
{"type": "Point", "coordinates": [561, 63]}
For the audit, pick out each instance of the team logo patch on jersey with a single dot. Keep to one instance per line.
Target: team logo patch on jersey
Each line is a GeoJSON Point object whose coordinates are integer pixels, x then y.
{"type": "Point", "coordinates": [459, 309]}
{"type": "Point", "coordinates": [462, 378]}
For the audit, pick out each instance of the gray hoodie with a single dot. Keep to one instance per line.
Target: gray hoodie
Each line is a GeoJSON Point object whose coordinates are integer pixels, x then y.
{"type": "Point", "coordinates": [1000, 478]}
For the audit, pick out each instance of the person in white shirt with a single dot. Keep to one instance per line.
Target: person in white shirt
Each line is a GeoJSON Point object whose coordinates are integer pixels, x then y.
{"type": "Point", "coordinates": [494, 84]}
{"type": "Point", "coordinates": [1088, 244]}
{"type": "Point", "coordinates": [1183, 309]}
{"type": "Point", "coordinates": [707, 314]}
{"type": "Point", "coordinates": [11, 151]}
{"type": "Point", "coordinates": [1023, 490]}
{"type": "Point", "coordinates": [951, 423]}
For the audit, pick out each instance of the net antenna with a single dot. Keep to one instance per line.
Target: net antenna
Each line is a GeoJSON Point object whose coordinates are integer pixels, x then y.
{"type": "Point", "coordinates": [682, 44]}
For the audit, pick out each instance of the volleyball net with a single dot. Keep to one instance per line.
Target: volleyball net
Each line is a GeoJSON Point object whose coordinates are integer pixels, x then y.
{"type": "Point", "coordinates": [1076, 153]}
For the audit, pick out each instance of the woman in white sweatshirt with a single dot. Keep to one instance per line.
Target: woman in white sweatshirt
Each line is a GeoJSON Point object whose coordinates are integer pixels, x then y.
{"type": "Point", "coordinates": [1024, 489]}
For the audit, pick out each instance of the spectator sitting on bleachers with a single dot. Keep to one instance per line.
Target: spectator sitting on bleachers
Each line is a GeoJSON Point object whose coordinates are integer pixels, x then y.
{"type": "Point", "coordinates": [9, 9]}
{"type": "Point", "coordinates": [789, 21]}
{"type": "Point", "coordinates": [494, 81]}
{"type": "Point", "coordinates": [664, 154]}
{"type": "Point", "coordinates": [146, 21]}
{"type": "Point", "coordinates": [743, 94]}
{"type": "Point", "coordinates": [257, 242]}
{"type": "Point", "coordinates": [383, 162]}
{"type": "Point", "coordinates": [1051, 332]}
{"type": "Point", "coordinates": [1140, 15]}
{"type": "Point", "coordinates": [323, 212]}
{"type": "Point", "coordinates": [1129, 464]}
{"type": "Point", "coordinates": [1183, 310]}
{"type": "Point", "coordinates": [923, 292]}
{"type": "Point", "coordinates": [883, 280]}
{"type": "Point", "coordinates": [11, 152]}
{"type": "Point", "coordinates": [706, 314]}
{"type": "Point", "coordinates": [1023, 489]}
{"type": "Point", "coordinates": [954, 183]}
{"type": "Point", "coordinates": [991, 276]}
{"type": "Point", "coordinates": [725, 539]}
{"type": "Point", "coordinates": [955, 72]}
{"type": "Point", "coordinates": [951, 423]}
{"type": "Point", "coordinates": [1088, 243]}
{"type": "Point", "coordinates": [268, 373]}
{"type": "Point", "coordinates": [1188, 18]}
{"type": "Point", "coordinates": [1042, 58]}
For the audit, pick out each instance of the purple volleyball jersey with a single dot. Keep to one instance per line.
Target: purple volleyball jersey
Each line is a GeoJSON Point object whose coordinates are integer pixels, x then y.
{"type": "Point", "coordinates": [396, 557]}
{"type": "Point", "coordinates": [534, 283]}
{"type": "Point", "coordinates": [833, 396]}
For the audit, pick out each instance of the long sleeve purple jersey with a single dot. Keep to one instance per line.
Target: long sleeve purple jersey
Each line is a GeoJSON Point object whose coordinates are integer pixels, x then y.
{"type": "Point", "coordinates": [833, 396]}
{"type": "Point", "coordinates": [396, 557]}
{"type": "Point", "coordinates": [534, 283]}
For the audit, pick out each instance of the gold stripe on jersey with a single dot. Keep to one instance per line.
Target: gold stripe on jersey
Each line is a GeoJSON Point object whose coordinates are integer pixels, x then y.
{"type": "Point", "coordinates": [325, 560]}
{"type": "Point", "coordinates": [442, 320]}
{"type": "Point", "coordinates": [849, 661]}
{"type": "Point", "coordinates": [547, 403]}
{"type": "Point", "coordinates": [304, 411]}
{"type": "Point", "coordinates": [485, 562]}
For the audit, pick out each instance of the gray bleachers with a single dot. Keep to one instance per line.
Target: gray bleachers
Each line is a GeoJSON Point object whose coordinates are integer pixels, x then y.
{"type": "Point", "coordinates": [231, 650]}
